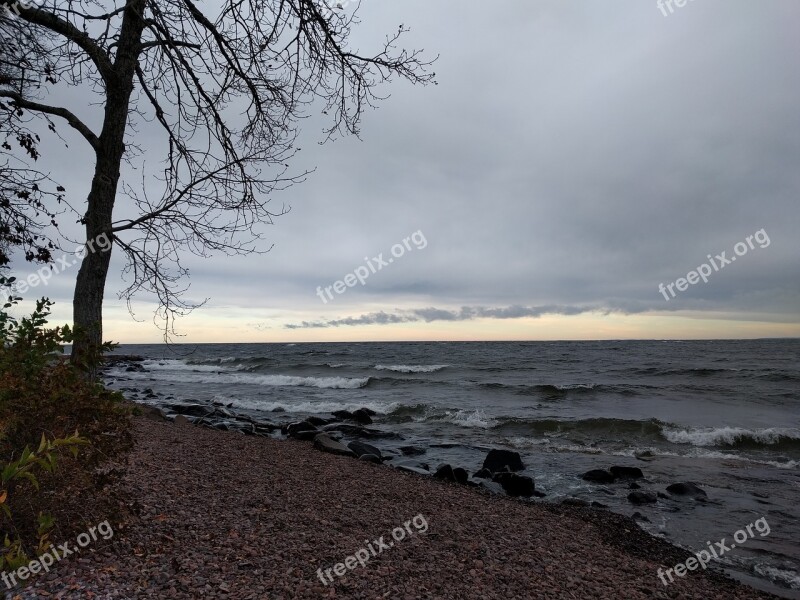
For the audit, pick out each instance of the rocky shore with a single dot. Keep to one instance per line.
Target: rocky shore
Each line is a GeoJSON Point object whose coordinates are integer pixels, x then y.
{"type": "Point", "coordinates": [226, 515]}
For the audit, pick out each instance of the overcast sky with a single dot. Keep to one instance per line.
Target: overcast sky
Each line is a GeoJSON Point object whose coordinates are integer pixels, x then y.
{"type": "Point", "coordinates": [573, 156]}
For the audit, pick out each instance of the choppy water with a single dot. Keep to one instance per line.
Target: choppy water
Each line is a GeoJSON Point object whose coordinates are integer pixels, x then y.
{"type": "Point", "coordinates": [725, 414]}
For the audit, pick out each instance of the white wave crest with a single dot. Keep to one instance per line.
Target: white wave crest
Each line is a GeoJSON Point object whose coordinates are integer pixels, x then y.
{"type": "Point", "coordinates": [305, 407]}
{"type": "Point", "coordinates": [231, 378]}
{"type": "Point", "coordinates": [411, 368]}
{"type": "Point", "coordinates": [469, 418]}
{"type": "Point", "coordinates": [716, 436]}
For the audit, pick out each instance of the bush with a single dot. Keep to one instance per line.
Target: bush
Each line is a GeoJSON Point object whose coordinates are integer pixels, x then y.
{"type": "Point", "coordinates": [51, 405]}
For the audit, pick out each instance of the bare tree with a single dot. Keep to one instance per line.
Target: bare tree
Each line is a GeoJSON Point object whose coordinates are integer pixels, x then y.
{"type": "Point", "coordinates": [227, 91]}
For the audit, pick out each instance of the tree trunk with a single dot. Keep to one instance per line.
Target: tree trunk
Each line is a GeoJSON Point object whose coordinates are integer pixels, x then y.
{"type": "Point", "coordinates": [87, 304]}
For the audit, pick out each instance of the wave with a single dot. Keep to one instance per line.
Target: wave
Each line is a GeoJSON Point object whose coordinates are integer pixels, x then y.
{"type": "Point", "coordinates": [423, 413]}
{"type": "Point", "coordinates": [306, 407]}
{"type": "Point", "coordinates": [411, 368]}
{"type": "Point", "coordinates": [189, 375]}
{"type": "Point", "coordinates": [609, 426]}
{"type": "Point", "coordinates": [735, 437]}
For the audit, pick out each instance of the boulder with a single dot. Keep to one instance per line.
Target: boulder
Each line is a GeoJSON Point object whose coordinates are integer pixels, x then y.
{"type": "Point", "coordinates": [370, 458]}
{"type": "Point", "coordinates": [192, 410]}
{"type": "Point", "coordinates": [361, 416]}
{"type": "Point", "coordinates": [483, 474]}
{"type": "Point", "coordinates": [362, 448]}
{"type": "Point", "coordinates": [325, 443]}
{"type": "Point", "coordinates": [686, 488]}
{"type": "Point", "coordinates": [445, 473]}
{"type": "Point", "coordinates": [627, 472]}
{"type": "Point", "coordinates": [598, 476]}
{"type": "Point", "coordinates": [412, 466]}
{"type": "Point", "coordinates": [515, 485]}
{"type": "Point", "coordinates": [296, 430]}
{"type": "Point", "coordinates": [181, 420]}
{"type": "Point", "coordinates": [639, 497]}
{"type": "Point", "coordinates": [461, 475]}
{"type": "Point", "coordinates": [317, 421]}
{"type": "Point", "coordinates": [361, 432]}
{"type": "Point", "coordinates": [368, 411]}
{"type": "Point", "coordinates": [496, 460]}
{"type": "Point", "coordinates": [344, 415]}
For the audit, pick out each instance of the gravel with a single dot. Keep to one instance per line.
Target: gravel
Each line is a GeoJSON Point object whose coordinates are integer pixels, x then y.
{"type": "Point", "coordinates": [220, 515]}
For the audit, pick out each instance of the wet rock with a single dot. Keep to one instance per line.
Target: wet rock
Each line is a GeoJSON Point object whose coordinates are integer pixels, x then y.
{"type": "Point", "coordinates": [639, 497]}
{"type": "Point", "coordinates": [461, 475]}
{"type": "Point", "coordinates": [445, 473]}
{"type": "Point", "coordinates": [362, 448]}
{"type": "Point", "coordinates": [136, 368]}
{"type": "Point", "coordinates": [299, 430]}
{"type": "Point", "coordinates": [325, 443]}
{"type": "Point", "coordinates": [318, 421]}
{"type": "Point", "coordinates": [515, 485]}
{"type": "Point", "coordinates": [362, 416]}
{"type": "Point", "coordinates": [193, 410]}
{"type": "Point", "coordinates": [633, 486]}
{"type": "Point", "coordinates": [686, 488]}
{"type": "Point", "coordinates": [497, 460]}
{"type": "Point", "coordinates": [598, 476]}
{"type": "Point", "coordinates": [344, 415]}
{"type": "Point", "coordinates": [411, 466]}
{"type": "Point", "coordinates": [483, 474]}
{"type": "Point", "coordinates": [596, 504]}
{"type": "Point", "coordinates": [361, 432]}
{"type": "Point", "coordinates": [370, 458]}
{"type": "Point", "coordinates": [637, 516]}
{"type": "Point", "coordinates": [627, 472]}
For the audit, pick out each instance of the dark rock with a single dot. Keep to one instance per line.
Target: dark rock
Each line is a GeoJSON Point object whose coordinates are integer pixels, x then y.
{"type": "Point", "coordinates": [637, 516]}
{"type": "Point", "coordinates": [193, 410]}
{"type": "Point", "coordinates": [574, 502]}
{"type": "Point", "coordinates": [181, 420]}
{"type": "Point", "coordinates": [278, 409]}
{"type": "Point", "coordinates": [293, 429]}
{"type": "Point", "coordinates": [627, 472]}
{"type": "Point", "coordinates": [642, 498]}
{"type": "Point", "coordinates": [362, 448]}
{"type": "Point", "coordinates": [493, 487]}
{"type": "Point", "coordinates": [368, 411]}
{"type": "Point", "coordinates": [344, 415]}
{"type": "Point", "coordinates": [361, 432]}
{"type": "Point", "coordinates": [224, 412]}
{"type": "Point", "coordinates": [483, 474]}
{"type": "Point", "coordinates": [598, 476]}
{"type": "Point", "coordinates": [136, 368]}
{"type": "Point", "coordinates": [317, 421]}
{"type": "Point", "coordinates": [151, 412]}
{"type": "Point", "coordinates": [361, 416]}
{"type": "Point", "coordinates": [686, 488]}
{"type": "Point", "coordinates": [461, 475]}
{"type": "Point", "coordinates": [445, 473]}
{"type": "Point", "coordinates": [515, 485]}
{"type": "Point", "coordinates": [370, 458]}
{"type": "Point", "coordinates": [411, 450]}
{"type": "Point", "coordinates": [633, 486]}
{"type": "Point", "coordinates": [596, 504]}
{"type": "Point", "coordinates": [324, 443]}
{"type": "Point", "coordinates": [411, 466]}
{"type": "Point", "coordinates": [496, 460]}
{"type": "Point", "coordinates": [305, 435]}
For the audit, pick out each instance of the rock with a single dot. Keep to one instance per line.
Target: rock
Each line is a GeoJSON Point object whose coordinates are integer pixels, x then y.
{"type": "Point", "coordinates": [627, 472]}
{"type": "Point", "coordinates": [598, 504]}
{"type": "Point", "coordinates": [496, 460]}
{"type": "Point", "coordinates": [361, 416]}
{"type": "Point", "coordinates": [362, 448]}
{"type": "Point", "coordinates": [483, 474]}
{"type": "Point", "coordinates": [637, 516]}
{"type": "Point", "coordinates": [515, 485]}
{"type": "Point", "coordinates": [574, 502]}
{"type": "Point", "coordinates": [224, 412]}
{"type": "Point", "coordinates": [151, 412]}
{"type": "Point", "coordinates": [633, 486]}
{"type": "Point", "coordinates": [686, 488]}
{"type": "Point", "coordinates": [305, 435]}
{"type": "Point", "coordinates": [598, 476]}
{"type": "Point", "coordinates": [411, 450]}
{"type": "Point", "coordinates": [368, 411]}
{"type": "Point", "coordinates": [461, 475]}
{"type": "Point", "coordinates": [181, 420]}
{"type": "Point", "coordinates": [318, 421]}
{"type": "Point", "coordinates": [445, 473]}
{"type": "Point", "coordinates": [412, 466]}
{"type": "Point", "coordinates": [193, 410]}
{"type": "Point", "coordinates": [642, 498]}
{"type": "Point", "coordinates": [136, 368]}
{"type": "Point", "coordinates": [361, 432]}
{"type": "Point", "coordinates": [324, 443]}
{"type": "Point", "coordinates": [296, 430]}
{"type": "Point", "coordinates": [493, 487]}
{"type": "Point", "coordinates": [370, 458]}
{"type": "Point", "coordinates": [344, 415]}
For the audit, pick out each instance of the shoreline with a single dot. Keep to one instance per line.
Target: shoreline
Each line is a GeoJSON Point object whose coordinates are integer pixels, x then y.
{"type": "Point", "coordinates": [246, 517]}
